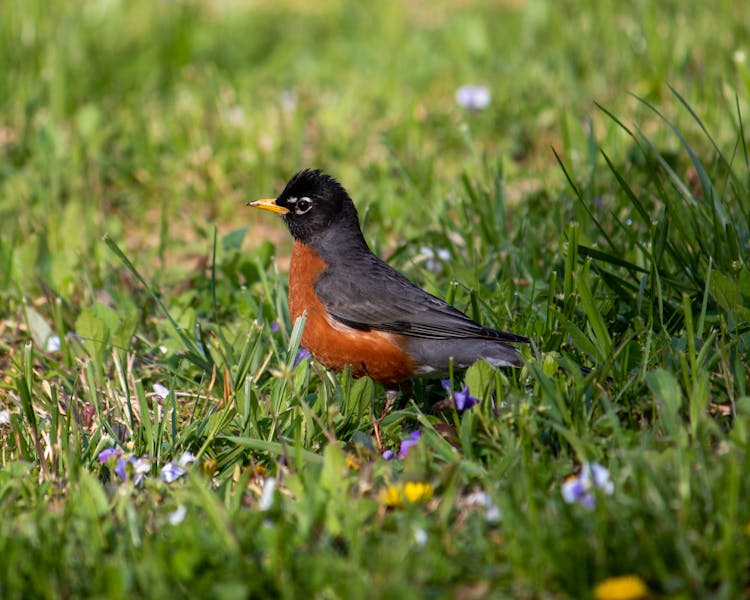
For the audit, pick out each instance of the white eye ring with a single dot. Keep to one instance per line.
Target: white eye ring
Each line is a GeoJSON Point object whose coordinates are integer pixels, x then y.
{"type": "Point", "coordinates": [302, 205]}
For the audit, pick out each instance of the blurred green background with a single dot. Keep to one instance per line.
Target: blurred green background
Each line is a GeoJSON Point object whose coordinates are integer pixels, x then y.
{"type": "Point", "coordinates": [149, 120]}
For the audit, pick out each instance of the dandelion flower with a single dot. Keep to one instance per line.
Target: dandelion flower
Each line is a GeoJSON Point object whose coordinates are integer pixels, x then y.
{"type": "Point", "coordinates": [352, 461]}
{"type": "Point", "coordinates": [392, 497]}
{"type": "Point", "coordinates": [411, 492]}
{"type": "Point", "coordinates": [625, 587]}
{"type": "Point", "coordinates": [417, 492]}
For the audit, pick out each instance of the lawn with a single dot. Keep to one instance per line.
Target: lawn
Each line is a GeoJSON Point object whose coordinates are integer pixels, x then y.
{"type": "Point", "coordinates": [161, 436]}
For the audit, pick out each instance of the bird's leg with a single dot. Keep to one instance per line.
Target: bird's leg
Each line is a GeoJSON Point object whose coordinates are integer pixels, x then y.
{"type": "Point", "coordinates": [390, 401]}
{"type": "Point", "coordinates": [407, 391]}
{"type": "Point", "coordinates": [391, 395]}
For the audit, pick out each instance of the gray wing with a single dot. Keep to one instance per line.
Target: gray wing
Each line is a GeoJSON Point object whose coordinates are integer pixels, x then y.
{"type": "Point", "coordinates": [373, 295]}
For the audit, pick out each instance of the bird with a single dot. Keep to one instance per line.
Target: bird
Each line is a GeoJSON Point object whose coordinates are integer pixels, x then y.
{"type": "Point", "coordinates": [361, 312]}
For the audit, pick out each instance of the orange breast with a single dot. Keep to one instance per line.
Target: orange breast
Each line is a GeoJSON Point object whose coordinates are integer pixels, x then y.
{"type": "Point", "coordinates": [374, 353]}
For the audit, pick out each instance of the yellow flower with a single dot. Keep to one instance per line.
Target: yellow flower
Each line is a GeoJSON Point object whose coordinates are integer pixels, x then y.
{"type": "Point", "coordinates": [392, 497]}
{"type": "Point", "coordinates": [412, 492]}
{"type": "Point", "coordinates": [625, 587]}
{"type": "Point", "coordinates": [417, 492]}
{"type": "Point", "coordinates": [352, 461]}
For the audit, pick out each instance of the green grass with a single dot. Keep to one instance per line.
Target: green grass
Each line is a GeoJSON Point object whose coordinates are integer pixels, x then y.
{"type": "Point", "coordinates": [600, 206]}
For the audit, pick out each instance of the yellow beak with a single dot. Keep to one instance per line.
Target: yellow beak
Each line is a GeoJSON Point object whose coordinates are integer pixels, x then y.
{"type": "Point", "coordinates": [269, 204]}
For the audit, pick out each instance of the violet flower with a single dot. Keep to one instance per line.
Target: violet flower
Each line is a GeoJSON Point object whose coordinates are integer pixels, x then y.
{"type": "Point", "coordinates": [172, 472]}
{"type": "Point", "coordinates": [582, 488]}
{"type": "Point", "coordinates": [107, 453]}
{"type": "Point", "coordinates": [137, 467]}
{"type": "Point", "coordinates": [464, 400]}
{"type": "Point", "coordinates": [301, 355]}
{"type": "Point", "coordinates": [408, 443]}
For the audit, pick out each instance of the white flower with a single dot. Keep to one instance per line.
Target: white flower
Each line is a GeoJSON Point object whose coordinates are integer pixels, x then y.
{"type": "Point", "coordinates": [420, 536]}
{"type": "Point", "coordinates": [473, 97]}
{"type": "Point", "coordinates": [434, 258]}
{"type": "Point", "coordinates": [600, 477]}
{"type": "Point", "coordinates": [187, 458]}
{"type": "Point", "coordinates": [160, 390]}
{"type": "Point", "coordinates": [4, 417]}
{"type": "Point", "coordinates": [176, 517]}
{"type": "Point", "coordinates": [53, 343]}
{"type": "Point", "coordinates": [141, 467]}
{"type": "Point", "coordinates": [480, 499]}
{"type": "Point", "coordinates": [266, 498]}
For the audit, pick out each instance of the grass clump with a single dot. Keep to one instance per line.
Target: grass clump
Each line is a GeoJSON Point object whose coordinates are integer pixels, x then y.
{"type": "Point", "coordinates": [161, 435]}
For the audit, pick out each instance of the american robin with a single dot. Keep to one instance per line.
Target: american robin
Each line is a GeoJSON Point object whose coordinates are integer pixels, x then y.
{"type": "Point", "coordinates": [359, 310]}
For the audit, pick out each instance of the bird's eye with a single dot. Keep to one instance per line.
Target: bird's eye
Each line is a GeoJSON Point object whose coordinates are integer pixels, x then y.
{"type": "Point", "coordinates": [302, 205]}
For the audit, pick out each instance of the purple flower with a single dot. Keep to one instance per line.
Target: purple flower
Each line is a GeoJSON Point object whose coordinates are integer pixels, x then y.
{"type": "Point", "coordinates": [464, 400]}
{"type": "Point", "coordinates": [172, 472]}
{"type": "Point", "coordinates": [137, 467]}
{"type": "Point", "coordinates": [473, 97]}
{"type": "Point", "coordinates": [389, 455]}
{"type": "Point", "coordinates": [121, 467]}
{"type": "Point", "coordinates": [274, 327]}
{"type": "Point", "coordinates": [107, 453]}
{"type": "Point", "coordinates": [408, 443]}
{"type": "Point", "coordinates": [581, 488]}
{"type": "Point", "coordinates": [301, 355]}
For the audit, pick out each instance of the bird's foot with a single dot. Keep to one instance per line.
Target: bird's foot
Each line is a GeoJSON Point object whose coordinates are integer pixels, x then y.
{"type": "Point", "coordinates": [391, 396]}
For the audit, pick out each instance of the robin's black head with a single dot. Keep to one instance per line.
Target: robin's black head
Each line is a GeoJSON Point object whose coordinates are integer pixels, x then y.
{"type": "Point", "coordinates": [316, 209]}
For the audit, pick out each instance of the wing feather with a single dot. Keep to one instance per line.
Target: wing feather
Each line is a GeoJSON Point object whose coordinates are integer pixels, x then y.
{"type": "Point", "coordinates": [381, 298]}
